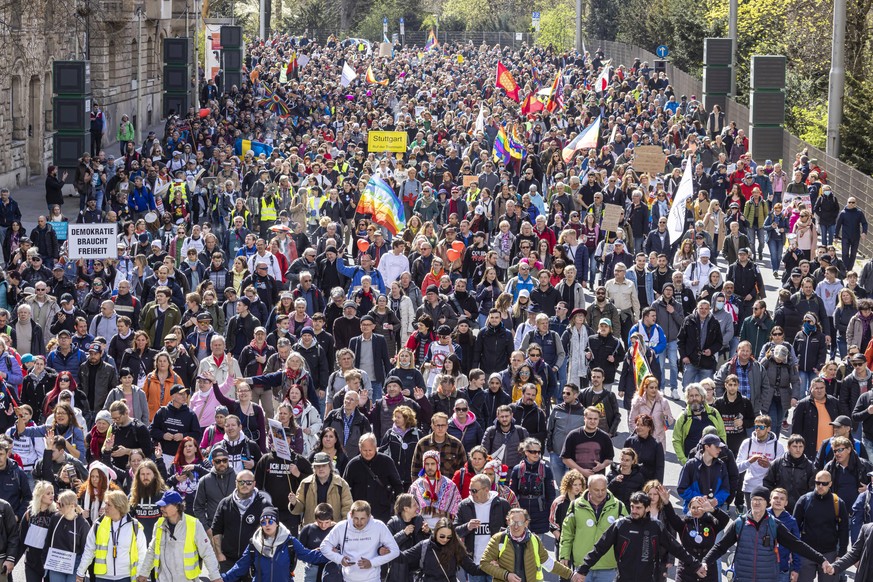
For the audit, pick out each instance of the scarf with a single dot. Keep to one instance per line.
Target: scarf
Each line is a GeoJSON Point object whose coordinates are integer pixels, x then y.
{"type": "Point", "coordinates": [401, 432]}
{"type": "Point", "coordinates": [292, 375]}
{"type": "Point", "coordinates": [244, 504]}
{"type": "Point", "coordinates": [393, 400]}
{"type": "Point", "coordinates": [96, 442]}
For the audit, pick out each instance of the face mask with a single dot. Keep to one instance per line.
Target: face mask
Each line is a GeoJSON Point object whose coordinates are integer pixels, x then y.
{"type": "Point", "coordinates": [808, 327]}
{"type": "Point", "coordinates": [719, 305]}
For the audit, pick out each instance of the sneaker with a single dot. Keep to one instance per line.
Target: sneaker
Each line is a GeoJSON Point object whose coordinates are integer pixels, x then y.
{"type": "Point", "coordinates": [775, 274]}
{"type": "Point", "coordinates": [674, 394]}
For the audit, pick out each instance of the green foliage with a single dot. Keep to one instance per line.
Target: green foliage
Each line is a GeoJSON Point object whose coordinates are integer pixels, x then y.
{"type": "Point", "coordinates": [602, 21]}
{"type": "Point", "coordinates": [810, 124]}
{"type": "Point", "coordinates": [856, 135]}
{"type": "Point", "coordinates": [554, 28]}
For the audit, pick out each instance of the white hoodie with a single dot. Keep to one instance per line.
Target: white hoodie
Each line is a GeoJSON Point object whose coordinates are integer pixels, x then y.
{"type": "Point", "coordinates": [345, 540]}
{"type": "Point", "coordinates": [771, 448]}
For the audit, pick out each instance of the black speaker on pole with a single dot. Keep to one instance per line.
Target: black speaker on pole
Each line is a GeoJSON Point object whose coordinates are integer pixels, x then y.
{"type": "Point", "coordinates": [231, 78]}
{"type": "Point", "coordinates": [231, 37]}
{"type": "Point", "coordinates": [660, 66]}
{"type": "Point", "coordinates": [177, 75]}
{"type": "Point", "coordinates": [767, 106]}
{"type": "Point", "coordinates": [231, 59]}
{"type": "Point", "coordinates": [71, 85]}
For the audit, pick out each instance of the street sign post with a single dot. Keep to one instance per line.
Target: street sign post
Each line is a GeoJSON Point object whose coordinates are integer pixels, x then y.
{"type": "Point", "coordinates": [385, 25]}
{"type": "Point", "coordinates": [535, 18]}
{"type": "Point", "coordinates": [402, 27]}
{"type": "Point", "coordinates": [662, 51]}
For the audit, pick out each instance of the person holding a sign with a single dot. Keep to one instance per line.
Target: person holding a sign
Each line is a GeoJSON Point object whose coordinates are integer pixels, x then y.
{"type": "Point", "coordinates": [65, 541]}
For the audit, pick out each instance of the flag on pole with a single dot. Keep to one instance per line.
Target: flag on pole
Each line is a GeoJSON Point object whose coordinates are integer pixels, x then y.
{"type": "Point", "coordinates": [586, 139]}
{"type": "Point", "coordinates": [531, 105]}
{"type": "Point", "coordinates": [641, 367]}
{"type": "Point", "coordinates": [432, 41]}
{"type": "Point", "coordinates": [516, 142]}
{"type": "Point", "coordinates": [501, 147]}
{"type": "Point", "coordinates": [371, 78]}
{"type": "Point", "coordinates": [480, 121]}
{"type": "Point", "coordinates": [556, 94]}
{"type": "Point", "coordinates": [676, 218]}
{"type": "Point", "coordinates": [506, 82]}
{"type": "Point", "coordinates": [603, 79]}
{"type": "Point", "coordinates": [292, 69]}
{"type": "Point", "coordinates": [380, 201]}
{"type": "Point", "coordinates": [348, 75]}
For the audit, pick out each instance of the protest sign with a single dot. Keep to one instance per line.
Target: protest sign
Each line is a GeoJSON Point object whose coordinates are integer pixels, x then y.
{"type": "Point", "coordinates": [649, 159]}
{"type": "Point", "coordinates": [280, 443]}
{"type": "Point", "coordinates": [386, 141]}
{"type": "Point", "coordinates": [92, 241]}
{"type": "Point", "coordinates": [612, 214]}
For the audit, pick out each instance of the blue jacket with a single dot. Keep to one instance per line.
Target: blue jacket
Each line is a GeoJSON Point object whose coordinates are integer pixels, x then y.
{"type": "Point", "coordinates": [141, 200]}
{"type": "Point", "coordinates": [697, 479]}
{"type": "Point", "coordinates": [356, 273]}
{"type": "Point", "coordinates": [655, 333]}
{"type": "Point", "coordinates": [650, 294]}
{"type": "Point", "coordinates": [69, 363]}
{"type": "Point", "coordinates": [862, 512]}
{"type": "Point", "coordinates": [791, 525]}
{"type": "Point", "coordinates": [73, 434]}
{"type": "Point", "coordinates": [14, 487]}
{"type": "Point", "coordinates": [852, 223]}
{"type": "Point", "coordinates": [12, 370]}
{"type": "Point", "coordinates": [272, 563]}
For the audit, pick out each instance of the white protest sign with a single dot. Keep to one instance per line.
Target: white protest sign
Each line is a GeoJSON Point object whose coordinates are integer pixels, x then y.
{"type": "Point", "coordinates": [280, 443]}
{"type": "Point", "coordinates": [92, 241]}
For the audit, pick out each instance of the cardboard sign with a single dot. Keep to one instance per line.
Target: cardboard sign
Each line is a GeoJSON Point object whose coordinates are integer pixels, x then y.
{"type": "Point", "coordinates": [386, 141]}
{"type": "Point", "coordinates": [92, 241]}
{"type": "Point", "coordinates": [280, 443]}
{"type": "Point", "coordinates": [470, 180]}
{"type": "Point", "coordinates": [385, 49]}
{"type": "Point", "coordinates": [649, 159]}
{"type": "Point", "coordinates": [612, 214]}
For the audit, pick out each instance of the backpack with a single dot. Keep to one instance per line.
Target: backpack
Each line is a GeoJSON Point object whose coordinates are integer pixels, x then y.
{"type": "Point", "coordinates": [836, 501]}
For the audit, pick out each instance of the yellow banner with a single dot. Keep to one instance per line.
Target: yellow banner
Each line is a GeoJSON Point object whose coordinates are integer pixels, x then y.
{"type": "Point", "coordinates": [386, 141]}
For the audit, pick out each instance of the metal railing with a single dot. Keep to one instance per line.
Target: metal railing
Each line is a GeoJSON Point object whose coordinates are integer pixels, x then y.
{"type": "Point", "coordinates": [419, 37]}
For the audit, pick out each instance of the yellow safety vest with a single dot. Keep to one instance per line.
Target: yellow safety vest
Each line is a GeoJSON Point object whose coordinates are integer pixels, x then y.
{"type": "Point", "coordinates": [180, 188]}
{"type": "Point", "coordinates": [190, 554]}
{"type": "Point", "coordinates": [102, 539]}
{"type": "Point", "coordinates": [535, 542]}
{"type": "Point", "coordinates": [268, 209]}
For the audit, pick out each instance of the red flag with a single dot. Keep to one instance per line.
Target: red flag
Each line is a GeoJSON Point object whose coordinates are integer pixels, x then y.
{"type": "Point", "coordinates": [531, 105]}
{"type": "Point", "coordinates": [506, 82]}
{"type": "Point", "coordinates": [556, 95]}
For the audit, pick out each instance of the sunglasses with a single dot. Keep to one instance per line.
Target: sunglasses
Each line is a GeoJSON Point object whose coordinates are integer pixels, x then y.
{"type": "Point", "coordinates": [534, 452]}
{"type": "Point", "coordinates": [220, 461]}
{"type": "Point", "coordinates": [444, 537]}
{"type": "Point", "coordinates": [761, 427]}
{"type": "Point", "coordinates": [777, 334]}
{"type": "Point", "coordinates": [822, 483]}
{"type": "Point", "coordinates": [245, 482]}
{"type": "Point", "coordinates": [858, 365]}
{"type": "Point", "coordinates": [461, 409]}
{"type": "Point", "coordinates": [840, 450]}
{"type": "Point", "coordinates": [269, 520]}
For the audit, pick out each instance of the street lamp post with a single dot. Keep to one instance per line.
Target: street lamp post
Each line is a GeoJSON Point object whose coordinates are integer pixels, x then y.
{"type": "Point", "coordinates": [836, 79]}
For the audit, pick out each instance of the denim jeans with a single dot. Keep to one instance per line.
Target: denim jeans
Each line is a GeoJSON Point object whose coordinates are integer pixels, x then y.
{"type": "Point", "coordinates": [693, 374]}
{"type": "Point", "coordinates": [592, 268]}
{"type": "Point", "coordinates": [559, 469]}
{"type": "Point", "coordinates": [828, 231]}
{"type": "Point", "coordinates": [759, 234]}
{"type": "Point", "coordinates": [776, 413]}
{"type": "Point", "coordinates": [310, 573]}
{"type": "Point", "coordinates": [484, 578]}
{"type": "Point", "coordinates": [670, 357]}
{"type": "Point", "coordinates": [601, 575]}
{"type": "Point", "coordinates": [805, 379]}
{"type": "Point", "coordinates": [376, 389]}
{"type": "Point", "coordinates": [868, 445]}
{"type": "Point", "coordinates": [775, 245]}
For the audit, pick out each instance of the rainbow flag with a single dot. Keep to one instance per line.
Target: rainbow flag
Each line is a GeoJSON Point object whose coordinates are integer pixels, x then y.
{"type": "Point", "coordinates": [379, 200]}
{"type": "Point", "coordinates": [641, 367]}
{"type": "Point", "coordinates": [516, 143]}
{"type": "Point", "coordinates": [501, 147]}
{"type": "Point", "coordinates": [432, 41]}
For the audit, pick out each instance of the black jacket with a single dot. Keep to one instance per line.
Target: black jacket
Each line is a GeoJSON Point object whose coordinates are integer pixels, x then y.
{"type": "Point", "coordinates": [601, 348]}
{"type": "Point", "coordinates": [497, 515]}
{"type": "Point", "coordinates": [805, 422]}
{"type": "Point", "coordinates": [861, 553]}
{"type": "Point", "coordinates": [689, 341]}
{"type": "Point", "coordinates": [493, 347]}
{"type": "Point", "coordinates": [172, 420]}
{"type": "Point", "coordinates": [235, 528]}
{"type": "Point", "coordinates": [797, 476]}
{"type": "Point", "coordinates": [821, 527]}
{"type": "Point", "coordinates": [375, 481]}
{"type": "Point", "coordinates": [9, 534]}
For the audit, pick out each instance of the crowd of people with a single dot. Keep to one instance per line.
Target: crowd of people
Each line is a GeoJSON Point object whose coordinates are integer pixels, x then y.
{"type": "Point", "coordinates": [263, 374]}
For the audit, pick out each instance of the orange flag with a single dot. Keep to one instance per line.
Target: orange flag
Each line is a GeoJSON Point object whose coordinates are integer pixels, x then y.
{"type": "Point", "coordinates": [506, 82]}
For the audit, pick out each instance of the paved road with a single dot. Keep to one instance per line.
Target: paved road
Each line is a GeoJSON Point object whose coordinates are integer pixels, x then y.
{"type": "Point", "coordinates": [31, 199]}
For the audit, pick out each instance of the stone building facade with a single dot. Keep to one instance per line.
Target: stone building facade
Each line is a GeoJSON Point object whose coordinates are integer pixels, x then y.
{"type": "Point", "coordinates": [38, 32]}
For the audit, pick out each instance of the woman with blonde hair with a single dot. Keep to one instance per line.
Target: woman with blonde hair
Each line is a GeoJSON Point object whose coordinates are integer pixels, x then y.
{"type": "Point", "coordinates": [67, 532]}
{"type": "Point", "coordinates": [122, 534]}
{"type": "Point", "coordinates": [685, 255]}
{"type": "Point", "coordinates": [573, 485]}
{"type": "Point", "coordinates": [713, 223]}
{"type": "Point", "coordinates": [649, 400]}
{"type": "Point", "coordinates": [38, 516]}
{"type": "Point", "coordinates": [806, 232]}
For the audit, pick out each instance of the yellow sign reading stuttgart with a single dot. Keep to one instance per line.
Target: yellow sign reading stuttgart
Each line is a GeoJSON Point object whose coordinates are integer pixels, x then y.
{"type": "Point", "coordinates": [386, 141]}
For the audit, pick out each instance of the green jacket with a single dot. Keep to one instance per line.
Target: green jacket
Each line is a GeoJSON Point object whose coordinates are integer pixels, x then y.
{"type": "Point", "coordinates": [757, 331]}
{"type": "Point", "coordinates": [125, 132]}
{"type": "Point", "coordinates": [582, 529]}
{"type": "Point", "coordinates": [749, 212]}
{"type": "Point", "coordinates": [683, 425]}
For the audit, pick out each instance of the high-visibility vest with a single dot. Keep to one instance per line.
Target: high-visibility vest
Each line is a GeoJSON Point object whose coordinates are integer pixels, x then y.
{"type": "Point", "coordinates": [102, 540]}
{"type": "Point", "coordinates": [535, 542]}
{"type": "Point", "coordinates": [181, 189]}
{"type": "Point", "coordinates": [268, 209]}
{"type": "Point", "coordinates": [190, 555]}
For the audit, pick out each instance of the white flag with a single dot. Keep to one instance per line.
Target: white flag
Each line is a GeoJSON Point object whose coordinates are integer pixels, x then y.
{"type": "Point", "coordinates": [603, 79]}
{"type": "Point", "coordinates": [348, 76]}
{"type": "Point", "coordinates": [480, 121]}
{"type": "Point", "coordinates": [676, 218]}
{"type": "Point", "coordinates": [302, 60]}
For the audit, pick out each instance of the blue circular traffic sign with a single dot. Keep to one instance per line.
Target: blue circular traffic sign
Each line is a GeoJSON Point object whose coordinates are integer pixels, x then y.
{"type": "Point", "coordinates": [662, 51]}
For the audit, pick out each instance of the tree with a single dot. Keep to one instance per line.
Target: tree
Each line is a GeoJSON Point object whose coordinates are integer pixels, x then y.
{"type": "Point", "coordinates": [553, 27]}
